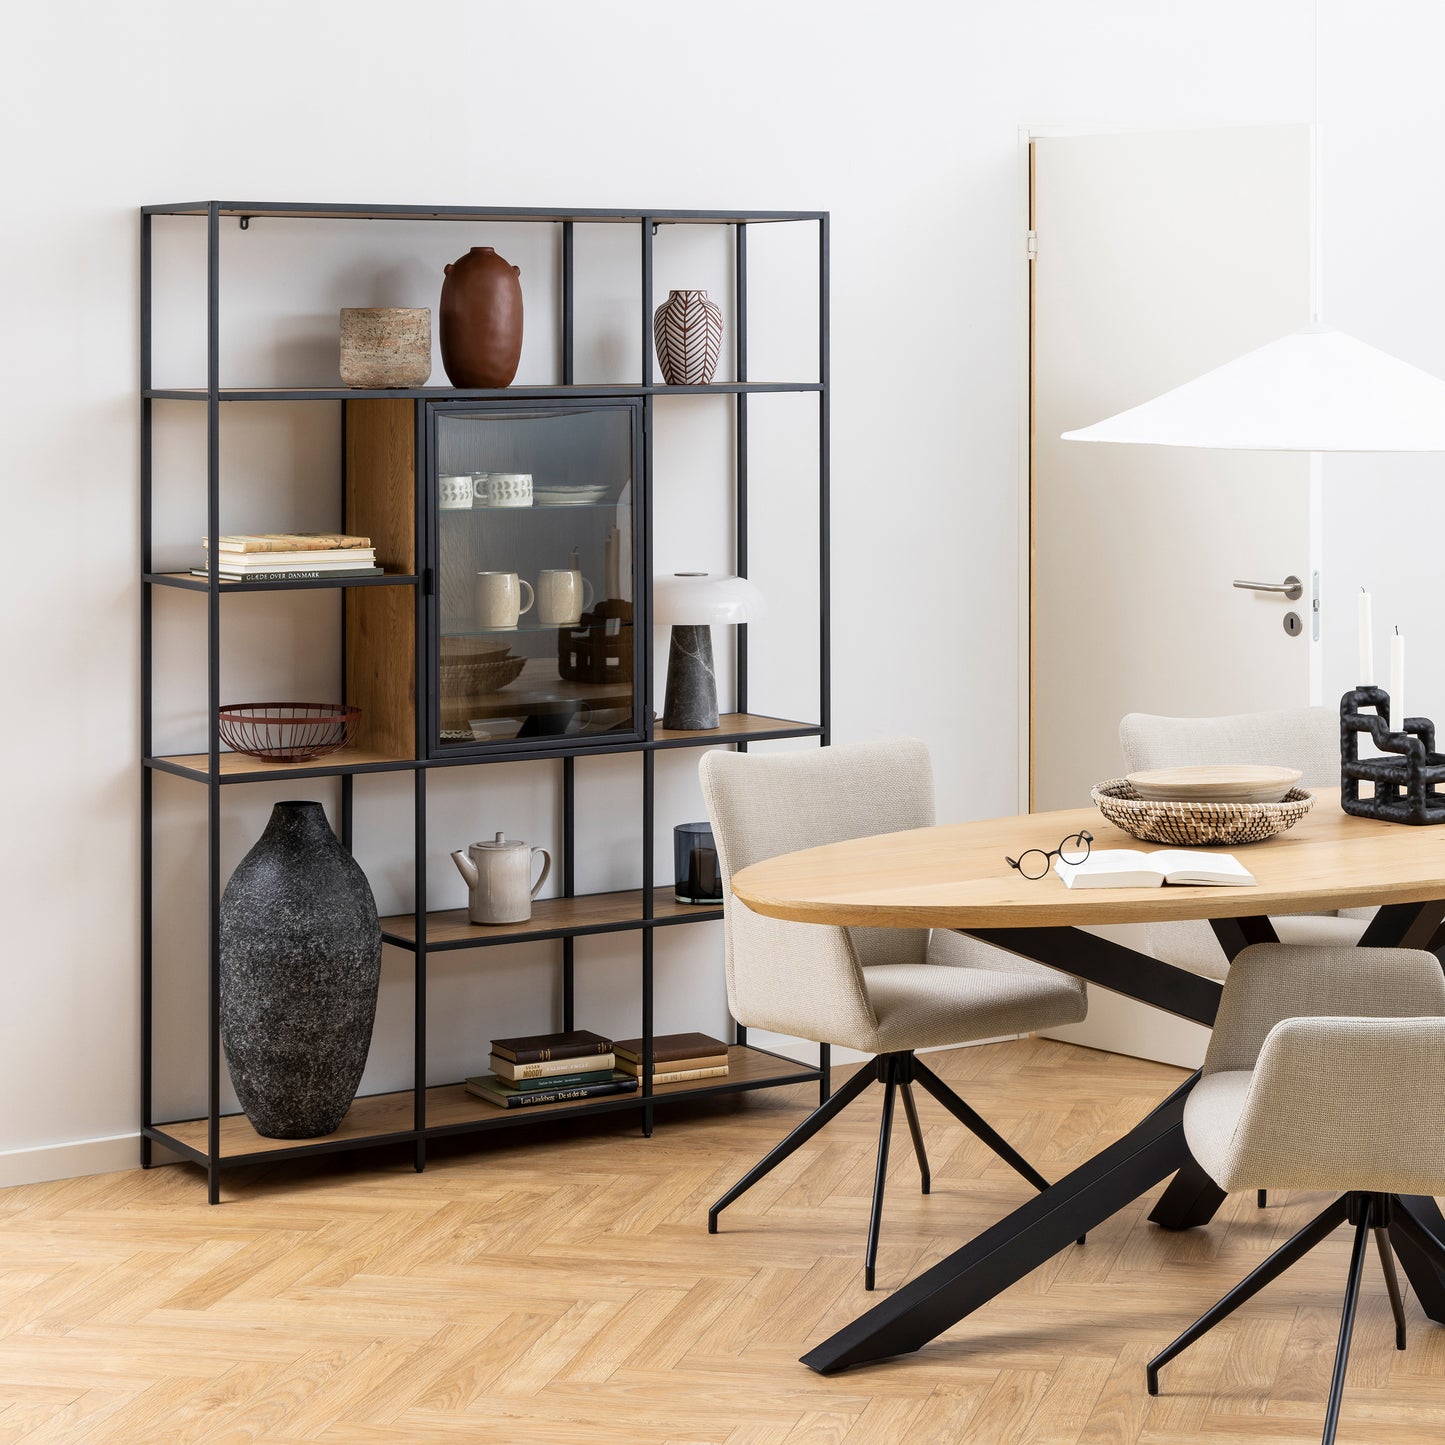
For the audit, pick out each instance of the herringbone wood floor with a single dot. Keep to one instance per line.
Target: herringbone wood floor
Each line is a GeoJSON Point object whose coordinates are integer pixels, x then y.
{"type": "Point", "coordinates": [540, 1293]}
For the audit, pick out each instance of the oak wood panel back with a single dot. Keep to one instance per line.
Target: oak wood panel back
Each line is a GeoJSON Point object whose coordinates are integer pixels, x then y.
{"type": "Point", "coordinates": [381, 621]}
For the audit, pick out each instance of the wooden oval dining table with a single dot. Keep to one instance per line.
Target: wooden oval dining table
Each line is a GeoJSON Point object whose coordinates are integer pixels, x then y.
{"type": "Point", "coordinates": [957, 877]}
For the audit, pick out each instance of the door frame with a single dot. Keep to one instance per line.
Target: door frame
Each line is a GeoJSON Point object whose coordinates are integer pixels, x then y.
{"type": "Point", "coordinates": [1024, 313]}
{"type": "Point", "coordinates": [1023, 302]}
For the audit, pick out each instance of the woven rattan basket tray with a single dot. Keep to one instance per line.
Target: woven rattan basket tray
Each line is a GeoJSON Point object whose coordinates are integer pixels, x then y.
{"type": "Point", "coordinates": [1192, 824]}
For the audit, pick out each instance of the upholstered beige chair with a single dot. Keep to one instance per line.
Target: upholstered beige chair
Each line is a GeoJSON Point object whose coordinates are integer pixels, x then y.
{"type": "Point", "coordinates": [1324, 1071]}
{"type": "Point", "coordinates": [1307, 738]}
{"type": "Point", "coordinates": [884, 991]}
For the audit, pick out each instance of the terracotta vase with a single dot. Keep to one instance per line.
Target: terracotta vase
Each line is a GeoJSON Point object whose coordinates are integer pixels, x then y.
{"type": "Point", "coordinates": [481, 319]}
{"type": "Point", "coordinates": [687, 330]}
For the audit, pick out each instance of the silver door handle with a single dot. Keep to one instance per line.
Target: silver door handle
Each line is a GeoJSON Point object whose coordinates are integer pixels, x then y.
{"type": "Point", "coordinates": [1291, 587]}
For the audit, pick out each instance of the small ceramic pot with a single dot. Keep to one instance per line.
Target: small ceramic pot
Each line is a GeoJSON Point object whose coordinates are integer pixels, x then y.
{"type": "Point", "coordinates": [385, 345]}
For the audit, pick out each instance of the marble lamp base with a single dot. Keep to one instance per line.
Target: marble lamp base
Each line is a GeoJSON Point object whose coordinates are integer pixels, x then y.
{"type": "Point", "coordinates": [691, 698]}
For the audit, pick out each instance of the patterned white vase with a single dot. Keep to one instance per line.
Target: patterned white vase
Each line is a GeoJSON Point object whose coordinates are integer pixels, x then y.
{"type": "Point", "coordinates": [687, 330]}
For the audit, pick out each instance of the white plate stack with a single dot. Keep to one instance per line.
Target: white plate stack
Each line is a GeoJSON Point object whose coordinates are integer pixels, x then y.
{"type": "Point", "coordinates": [1215, 783]}
{"type": "Point", "coordinates": [578, 496]}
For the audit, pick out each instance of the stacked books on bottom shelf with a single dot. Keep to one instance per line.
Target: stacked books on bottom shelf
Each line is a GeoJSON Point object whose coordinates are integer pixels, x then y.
{"type": "Point", "coordinates": [551, 1069]}
{"type": "Point", "coordinates": [676, 1058]}
{"type": "Point", "coordinates": [291, 557]}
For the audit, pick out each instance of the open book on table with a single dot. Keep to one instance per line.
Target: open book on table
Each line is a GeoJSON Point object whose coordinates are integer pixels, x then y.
{"type": "Point", "coordinates": [1134, 868]}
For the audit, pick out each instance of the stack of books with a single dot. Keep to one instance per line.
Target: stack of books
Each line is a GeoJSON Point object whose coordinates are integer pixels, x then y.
{"type": "Point", "coordinates": [292, 557]}
{"type": "Point", "coordinates": [551, 1069]}
{"type": "Point", "coordinates": [676, 1058]}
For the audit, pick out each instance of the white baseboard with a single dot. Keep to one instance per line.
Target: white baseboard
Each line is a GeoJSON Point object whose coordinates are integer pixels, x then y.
{"type": "Point", "coordinates": [1119, 1025]}
{"type": "Point", "coordinates": [77, 1158]}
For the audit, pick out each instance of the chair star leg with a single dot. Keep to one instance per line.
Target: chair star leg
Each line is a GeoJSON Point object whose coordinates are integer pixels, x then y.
{"type": "Point", "coordinates": [1347, 1326]}
{"type": "Point", "coordinates": [911, 1110]}
{"type": "Point", "coordinates": [1287, 1254]}
{"type": "Point", "coordinates": [800, 1136]}
{"type": "Point", "coordinates": [880, 1178]}
{"type": "Point", "coordinates": [1392, 1282]}
{"type": "Point", "coordinates": [977, 1125]}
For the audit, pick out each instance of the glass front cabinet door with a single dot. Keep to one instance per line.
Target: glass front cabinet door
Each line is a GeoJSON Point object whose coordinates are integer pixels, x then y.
{"type": "Point", "coordinates": [535, 540]}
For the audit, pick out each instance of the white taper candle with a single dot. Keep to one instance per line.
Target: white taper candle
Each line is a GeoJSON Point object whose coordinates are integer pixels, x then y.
{"type": "Point", "coordinates": [1366, 673]}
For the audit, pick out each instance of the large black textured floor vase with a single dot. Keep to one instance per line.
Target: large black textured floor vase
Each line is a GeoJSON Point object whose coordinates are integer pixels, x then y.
{"type": "Point", "coordinates": [300, 965]}
{"type": "Point", "coordinates": [691, 699]}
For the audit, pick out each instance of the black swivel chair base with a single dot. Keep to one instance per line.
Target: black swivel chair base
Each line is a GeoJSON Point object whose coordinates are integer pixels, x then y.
{"type": "Point", "coordinates": [1385, 1214]}
{"type": "Point", "coordinates": [897, 1072]}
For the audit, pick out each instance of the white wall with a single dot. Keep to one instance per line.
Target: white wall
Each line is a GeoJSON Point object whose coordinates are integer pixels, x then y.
{"type": "Point", "coordinates": [904, 124]}
{"type": "Point", "coordinates": [1383, 216]}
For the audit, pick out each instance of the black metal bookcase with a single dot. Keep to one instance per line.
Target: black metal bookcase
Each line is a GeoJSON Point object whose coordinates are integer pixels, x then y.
{"type": "Point", "coordinates": [217, 1142]}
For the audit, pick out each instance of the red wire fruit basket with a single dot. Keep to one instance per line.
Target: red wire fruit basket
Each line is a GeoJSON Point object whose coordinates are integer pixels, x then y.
{"type": "Point", "coordinates": [288, 732]}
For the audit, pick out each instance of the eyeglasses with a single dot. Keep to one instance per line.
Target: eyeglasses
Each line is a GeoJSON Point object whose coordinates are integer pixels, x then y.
{"type": "Point", "coordinates": [1035, 862]}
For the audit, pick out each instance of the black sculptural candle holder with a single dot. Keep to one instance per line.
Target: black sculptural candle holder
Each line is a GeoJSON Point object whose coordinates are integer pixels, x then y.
{"type": "Point", "coordinates": [1405, 781]}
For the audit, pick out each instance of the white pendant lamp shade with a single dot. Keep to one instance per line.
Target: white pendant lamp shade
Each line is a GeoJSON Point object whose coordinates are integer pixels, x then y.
{"type": "Point", "coordinates": [697, 599]}
{"type": "Point", "coordinates": [1316, 390]}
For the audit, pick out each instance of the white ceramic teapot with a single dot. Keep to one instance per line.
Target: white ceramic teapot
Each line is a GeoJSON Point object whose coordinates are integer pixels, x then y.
{"type": "Point", "coordinates": [499, 879]}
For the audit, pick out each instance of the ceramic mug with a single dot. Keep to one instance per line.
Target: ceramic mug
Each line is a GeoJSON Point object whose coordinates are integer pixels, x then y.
{"type": "Point", "coordinates": [509, 489]}
{"type": "Point", "coordinates": [454, 493]}
{"type": "Point", "coordinates": [499, 599]}
{"type": "Point", "coordinates": [562, 596]}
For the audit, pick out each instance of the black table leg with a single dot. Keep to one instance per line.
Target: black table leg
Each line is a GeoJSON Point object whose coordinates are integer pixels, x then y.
{"type": "Point", "coordinates": [1003, 1254]}
{"type": "Point", "coordinates": [1417, 1231]}
{"type": "Point", "coordinates": [1111, 965]}
{"type": "Point", "coordinates": [1237, 934]}
{"type": "Point", "coordinates": [1404, 925]}
{"type": "Point", "coordinates": [1190, 1200]}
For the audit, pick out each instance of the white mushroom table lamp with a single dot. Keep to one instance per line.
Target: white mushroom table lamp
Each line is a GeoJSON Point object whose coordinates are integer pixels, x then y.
{"type": "Point", "coordinates": [690, 603]}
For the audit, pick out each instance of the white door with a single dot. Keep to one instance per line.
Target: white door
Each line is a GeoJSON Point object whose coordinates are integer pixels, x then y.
{"type": "Point", "coordinates": [1159, 256]}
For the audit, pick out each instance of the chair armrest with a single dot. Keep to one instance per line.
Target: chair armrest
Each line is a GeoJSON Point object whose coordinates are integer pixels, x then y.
{"type": "Point", "coordinates": [1344, 1103]}
{"type": "Point", "coordinates": [803, 979]}
{"type": "Point", "coordinates": [1270, 982]}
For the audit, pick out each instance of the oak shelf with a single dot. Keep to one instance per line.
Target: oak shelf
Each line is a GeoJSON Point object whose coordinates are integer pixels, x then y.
{"type": "Point", "coordinates": [241, 768]}
{"type": "Point", "coordinates": [379, 1119]}
{"type": "Point", "coordinates": [735, 727]}
{"type": "Point", "coordinates": [577, 391]}
{"type": "Point", "coordinates": [551, 918]}
{"type": "Point", "coordinates": [188, 582]}
{"type": "Point", "coordinates": [585, 215]}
